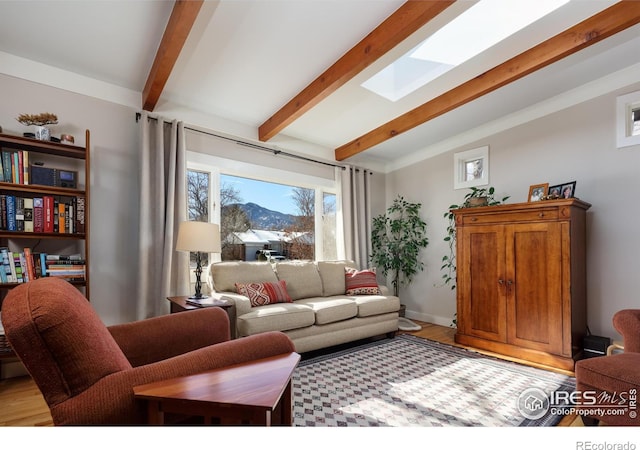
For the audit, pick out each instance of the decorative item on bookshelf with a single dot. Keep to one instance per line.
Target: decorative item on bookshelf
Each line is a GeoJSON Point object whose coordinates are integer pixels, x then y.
{"type": "Point", "coordinates": [40, 121]}
{"type": "Point", "coordinates": [66, 139]}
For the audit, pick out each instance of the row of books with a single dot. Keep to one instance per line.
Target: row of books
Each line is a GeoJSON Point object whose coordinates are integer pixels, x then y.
{"type": "Point", "coordinates": [25, 266]}
{"type": "Point", "coordinates": [46, 214]}
{"type": "Point", "coordinates": [14, 166]}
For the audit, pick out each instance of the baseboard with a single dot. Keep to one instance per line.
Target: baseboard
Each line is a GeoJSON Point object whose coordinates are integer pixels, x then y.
{"type": "Point", "coordinates": [437, 320]}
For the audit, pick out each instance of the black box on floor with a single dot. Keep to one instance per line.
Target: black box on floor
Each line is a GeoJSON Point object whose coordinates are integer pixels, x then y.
{"type": "Point", "coordinates": [595, 346]}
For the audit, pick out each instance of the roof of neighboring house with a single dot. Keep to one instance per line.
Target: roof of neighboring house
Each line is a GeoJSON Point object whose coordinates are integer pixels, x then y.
{"type": "Point", "coordinates": [262, 237]}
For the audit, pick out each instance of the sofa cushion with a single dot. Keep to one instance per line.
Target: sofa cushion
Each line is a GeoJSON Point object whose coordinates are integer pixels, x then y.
{"type": "Point", "coordinates": [260, 294]}
{"type": "Point", "coordinates": [372, 305]}
{"type": "Point", "coordinates": [332, 276]}
{"type": "Point", "coordinates": [225, 275]}
{"type": "Point", "coordinates": [331, 309]}
{"type": "Point", "coordinates": [278, 317]}
{"type": "Point", "coordinates": [361, 282]}
{"type": "Point", "coordinates": [302, 278]}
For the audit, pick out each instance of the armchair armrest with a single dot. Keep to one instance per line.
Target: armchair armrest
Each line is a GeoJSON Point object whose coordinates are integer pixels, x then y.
{"type": "Point", "coordinates": [150, 340]}
{"type": "Point", "coordinates": [114, 393]}
{"type": "Point", "coordinates": [627, 322]}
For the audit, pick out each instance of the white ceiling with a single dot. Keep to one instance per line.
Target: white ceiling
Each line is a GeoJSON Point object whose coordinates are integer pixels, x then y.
{"type": "Point", "coordinates": [245, 59]}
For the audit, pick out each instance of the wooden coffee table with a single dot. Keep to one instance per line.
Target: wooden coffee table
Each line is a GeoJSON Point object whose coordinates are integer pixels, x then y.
{"type": "Point", "coordinates": [251, 393]}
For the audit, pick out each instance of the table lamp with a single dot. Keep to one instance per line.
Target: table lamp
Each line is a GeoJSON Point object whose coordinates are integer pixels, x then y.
{"type": "Point", "coordinates": [198, 237]}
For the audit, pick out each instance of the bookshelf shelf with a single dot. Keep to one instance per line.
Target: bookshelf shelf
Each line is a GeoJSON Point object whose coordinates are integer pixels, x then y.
{"type": "Point", "coordinates": [43, 190]}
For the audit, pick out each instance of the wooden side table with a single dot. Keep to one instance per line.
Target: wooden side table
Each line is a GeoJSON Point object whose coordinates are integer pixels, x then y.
{"type": "Point", "coordinates": [252, 393]}
{"type": "Point", "coordinates": [179, 304]}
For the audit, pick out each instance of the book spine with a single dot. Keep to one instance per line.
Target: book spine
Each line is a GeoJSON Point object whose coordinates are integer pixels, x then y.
{"type": "Point", "coordinates": [48, 213]}
{"type": "Point", "coordinates": [55, 215]}
{"type": "Point", "coordinates": [11, 213]}
{"type": "Point", "coordinates": [31, 269]}
{"type": "Point", "coordinates": [14, 168]}
{"type": "Point", "coordinates": [3, 212]}
{"type": "Point", "coordinates": [28, 214]}
{"type": "Point", "coordinates": [67, 259]}
{"type": "Point", "coordinates": [37, 265]}
{"type": "Point", "coordinates": [38, 214]}
{"type": "Point", "coordinates": [19, 214]}
{"type": "Point", "coordinates": [12, 267]}
{"type": "Point", "coordinates": [20, 166]}
{"type": "Point", "coordinates": [72, 216]}
{"type": "Point", "coordinates": [61, 217]}
{"type": "Point", "coordinates": [16, 270]}
{"type": "Point", "coordinates": [24, 267]}
{"type": "Point", "coordinates": [43, 264]}
{"type": "Point", "coordinates": [6, 266]}
{"type": "Point", "coordinates": [6, 165]}
{"type": "Point", "coordinates": [3, 275]}
{"type": "Point", "coordinates": [25, 166]}
{"type": "Point", "coordinates": [80, 215]}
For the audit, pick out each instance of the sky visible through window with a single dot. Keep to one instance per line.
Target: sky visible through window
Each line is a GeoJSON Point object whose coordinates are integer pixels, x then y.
{"type": "Point", "coordinates": [273, 196]}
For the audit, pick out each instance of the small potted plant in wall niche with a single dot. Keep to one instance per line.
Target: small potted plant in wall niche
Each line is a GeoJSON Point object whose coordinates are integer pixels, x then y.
{"type": "Point", "coordinates": [476, 197]}
{"type": "Point", "coordinates": [396, 239]}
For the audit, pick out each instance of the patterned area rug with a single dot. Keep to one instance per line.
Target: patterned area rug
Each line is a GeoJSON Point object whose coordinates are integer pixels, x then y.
{"type": "Point", "coordinates": [411, 381]}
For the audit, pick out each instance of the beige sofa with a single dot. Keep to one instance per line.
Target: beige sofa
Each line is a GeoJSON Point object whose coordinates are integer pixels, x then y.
{"type": "Point", "coordinates": [320, 313]}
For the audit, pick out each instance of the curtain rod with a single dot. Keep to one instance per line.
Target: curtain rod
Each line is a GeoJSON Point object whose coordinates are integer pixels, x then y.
{"type": "Point", "coordinates": [251, 145]}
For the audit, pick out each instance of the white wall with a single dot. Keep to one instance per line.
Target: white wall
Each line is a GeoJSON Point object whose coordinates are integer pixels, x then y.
{"type": "Point", "coordinates": [578, 144]}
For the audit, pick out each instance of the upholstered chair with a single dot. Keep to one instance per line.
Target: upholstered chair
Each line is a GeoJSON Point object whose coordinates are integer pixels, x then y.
{"type": "Point", "coordinates": [86, 371]}
{"type": "Point", "coordinates": [615, 377]}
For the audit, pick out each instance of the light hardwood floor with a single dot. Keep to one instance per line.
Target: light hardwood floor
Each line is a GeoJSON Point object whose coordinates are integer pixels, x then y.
{"type": "Point", "coordinates": [21, 403]}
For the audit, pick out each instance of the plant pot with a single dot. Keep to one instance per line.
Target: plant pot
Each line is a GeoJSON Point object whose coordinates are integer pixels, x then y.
{"type": "Point", "coordinates": [43, 133]}
{"type": "Point", "coordinates": [477, 201]}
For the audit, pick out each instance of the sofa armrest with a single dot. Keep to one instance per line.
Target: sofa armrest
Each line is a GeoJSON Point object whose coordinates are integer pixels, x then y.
{"type": "Point", "coordinates": [241, 302]}
{"type": "Point", "coordinates": [384, 290]}
{"type": "Point", "coordinates": [111, 400]}
{"type": "Point", "coordinates": [158, 338]}
{"type": "Point", "coordinates": [627, 322]}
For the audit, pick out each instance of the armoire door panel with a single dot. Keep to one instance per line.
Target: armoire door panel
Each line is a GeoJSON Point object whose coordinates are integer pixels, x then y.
{"type": "Point", "coordinates": [534, 303]}
{"type": "Point", "coordinates": [484, 260]}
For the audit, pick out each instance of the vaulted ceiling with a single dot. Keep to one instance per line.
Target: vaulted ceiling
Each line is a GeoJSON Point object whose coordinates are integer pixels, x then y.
{"type": "Point", "coordinates": [290, 71]}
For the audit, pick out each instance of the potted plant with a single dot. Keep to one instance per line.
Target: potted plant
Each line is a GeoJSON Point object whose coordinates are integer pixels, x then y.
{"type": "Point", "coordinates": [477, 197]}
{"type": "Point", "coordinates": [396, 238]}
{"type": "Point", "coordinates": [40, 121]}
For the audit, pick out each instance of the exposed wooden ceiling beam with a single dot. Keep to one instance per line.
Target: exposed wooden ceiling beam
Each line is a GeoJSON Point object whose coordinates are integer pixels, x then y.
{"type": "Point", "coordinates": [396, 28]}
{"type": "Point", "coordinates": [600, 26]}
{"type": "Point", "coordinates": [175, 35]}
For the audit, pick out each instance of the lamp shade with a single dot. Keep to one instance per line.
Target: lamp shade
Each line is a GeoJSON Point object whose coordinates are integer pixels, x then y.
{"type": "Point", "coordinates": [199, 237]}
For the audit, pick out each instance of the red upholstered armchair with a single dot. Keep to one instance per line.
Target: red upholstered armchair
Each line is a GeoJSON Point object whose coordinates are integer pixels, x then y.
{"type": "Point", "coordinates": [615, 379]}
{"type": "Point", "coordinates": [86, 371]}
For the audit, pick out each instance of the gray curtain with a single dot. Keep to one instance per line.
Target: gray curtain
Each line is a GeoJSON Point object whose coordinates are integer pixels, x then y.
{"type": "Point", "coordinates": [162, 271]}
{"type": "Point", "coordinates": [356, 214]}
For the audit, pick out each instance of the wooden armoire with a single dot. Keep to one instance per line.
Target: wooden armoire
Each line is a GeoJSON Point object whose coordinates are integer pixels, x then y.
{"type": "Point", "coordinates": [521, 280]}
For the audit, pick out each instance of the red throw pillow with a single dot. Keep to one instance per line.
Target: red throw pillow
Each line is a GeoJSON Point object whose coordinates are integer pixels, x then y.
{"type": "Point", "coordinates": [361, 282]}
{"type": "Point", "coordinates": [260, 294]}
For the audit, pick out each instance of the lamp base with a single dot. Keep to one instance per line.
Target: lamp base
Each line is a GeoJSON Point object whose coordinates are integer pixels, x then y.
{"type": "Point", "coordinates": [198, 297]}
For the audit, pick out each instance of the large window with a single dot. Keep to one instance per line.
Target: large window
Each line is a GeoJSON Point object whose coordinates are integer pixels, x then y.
{"type": "Point", "coordinates": [198, 187]}
{"type": "Point", "coordinates": [261, 219]}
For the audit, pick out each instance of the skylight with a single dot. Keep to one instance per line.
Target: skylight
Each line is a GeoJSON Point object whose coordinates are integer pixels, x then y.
{"type": "Point", "coordinates": [480, 27]}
